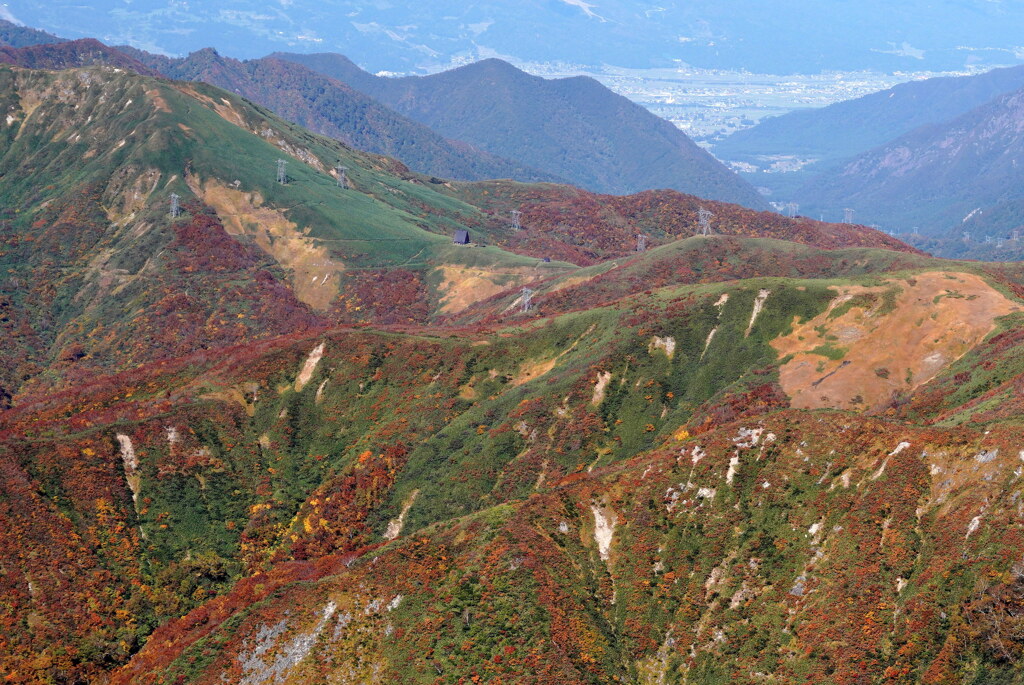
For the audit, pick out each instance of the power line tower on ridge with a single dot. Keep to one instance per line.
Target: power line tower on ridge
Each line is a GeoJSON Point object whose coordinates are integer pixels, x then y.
{"type": "Point", "coordinates": [282, 174]}
{"type": "Point", "coordinates": [342, 176]}
{"type": "Point", "coordinates": [175, 206]}
{"type": "Point", "coordinates": [641, 242]}
{"type": "Point", "coordinates": [848, 215]}
{"type": "Point", "coordinates": [704, 221]}
{"type": "Point", "coordinates": [527, 299]}
{"type": "Point", "coordinates": [516, 219]}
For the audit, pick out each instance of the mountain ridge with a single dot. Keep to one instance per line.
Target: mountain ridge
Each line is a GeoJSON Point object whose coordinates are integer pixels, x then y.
{"type": "Point", "coordinates": [846, 129]}
{"type": "Point", "coordinates": [577, 128]}
{"type": "Point", "coordinates": [71, 54]}
{"type": "Point", "coordinates": [331, 108]}
{"type": "Point", "coordinates": [941, 179]}
{"type": "Point", "coordinates": [92, 194]}
{"type": "Point", "coordinates": [295, 433]}
{"type": "Point", "coordinates": [16, 36]}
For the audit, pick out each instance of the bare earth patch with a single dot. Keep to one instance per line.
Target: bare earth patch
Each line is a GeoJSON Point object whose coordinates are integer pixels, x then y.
{"type": "Point", "coordinates": [315, 277]}
{"type": "Point", "coordinates": [228, 112]}
{"type": "Point", "coordinates": [158, 101]}
{"type": "Point", "coordinates": [887, 344]}
{"type": "Point", "coordinates": [242, 394]}
{"type": "Point", "coordinates": [308, 367]}
{"type": "Point", "coordinates": [462, 287]}
{"type": "Point", "coordinates": [603, 379]}
{"type": "Point", "coordinates": [533, 369]}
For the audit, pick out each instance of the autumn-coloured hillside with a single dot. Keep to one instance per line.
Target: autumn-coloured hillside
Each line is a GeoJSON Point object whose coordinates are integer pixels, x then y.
{"type": "Point", "coordinates": [694, 260]}
{"type": "Point", "coordinates": [71, 54]}
{"type": "Point", "coordinates": [816, 549]}
{"type": "Point", "coordinates": [617, 493]}
{"type": "Point", "coordinates": [101, 277]}
{"type": "Point", "coordinates": [585, 227]}
{"type": "Point", "coordinates": [291, 433]}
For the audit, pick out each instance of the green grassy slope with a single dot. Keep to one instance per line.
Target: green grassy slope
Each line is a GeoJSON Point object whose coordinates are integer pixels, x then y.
{"type": "Point", "coordinates": [204, 477]}
{"type": "Point", "coordinates": [91, 158]}
{"type": "Point", "coordinates": [101, 278]}
{"type": "Point", "coordinates": [333, 109]}
{"type": "Point", "coordinates": [574, 128]}
{"type": "Point", "coordinates": [475, 447]}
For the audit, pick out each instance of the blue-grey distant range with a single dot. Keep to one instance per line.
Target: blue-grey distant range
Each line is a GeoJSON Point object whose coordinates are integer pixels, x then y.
{"type": "Point", "coordinates": [782, 36]}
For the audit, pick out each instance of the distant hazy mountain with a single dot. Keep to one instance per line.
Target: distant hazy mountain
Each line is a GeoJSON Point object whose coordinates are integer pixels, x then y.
{"type": "Point", "coordinates": [70, 54]}
{"type": "Point", "coordinates": [575, 128]}
{"type": "Point", "coordinates": [783, 36]}
{"type": "Point", "coordinates": [297, 93]}
{"type": "Point", "coordinates": [15, 36]}
{"type": "Point", "coordinates": [331, 108]}
{"type": "Point", "coordinates": [965, 175]}
{"type": "Point", "coordinates": [209, 474]}
{"type": "Point", "coordinates": [851, 127]}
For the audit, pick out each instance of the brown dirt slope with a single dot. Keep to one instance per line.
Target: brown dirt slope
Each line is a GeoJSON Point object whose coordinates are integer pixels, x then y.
{"type": "Point", "coordinates": [874, 343]}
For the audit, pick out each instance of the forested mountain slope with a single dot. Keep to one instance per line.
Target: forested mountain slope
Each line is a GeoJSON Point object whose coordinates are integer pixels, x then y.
{"type": "Point", "coordinates": [646, 491]}
{"type": "Point", "coordinates": [962, 175]}
{"type": "Point", "coordinates": [574, 127]}
{"type": "Point", "coordinates": [71, 54]}
{"type": "Point", "coordinates": [16, 36]}
{"type": "Point", "coordinates": [294, 434]}
{"type": "Point", "coordinates": [853, 127]}
{"type": "Point", "coordinates": [332, 108]}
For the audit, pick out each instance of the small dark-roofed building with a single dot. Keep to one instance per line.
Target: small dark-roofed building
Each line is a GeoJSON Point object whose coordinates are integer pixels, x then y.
{"type": "Point", "coordinates": [547, 260]}
{"type": "Point", "coordinates": [461, 238]}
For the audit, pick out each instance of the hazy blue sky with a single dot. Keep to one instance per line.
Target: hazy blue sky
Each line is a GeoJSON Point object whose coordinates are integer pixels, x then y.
{"type": "Point", "coordinates": [759, 35]}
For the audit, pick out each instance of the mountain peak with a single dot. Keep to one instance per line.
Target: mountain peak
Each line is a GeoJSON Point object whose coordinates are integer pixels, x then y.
{"type": "Point", "coordinates": [492, 67]}
{"type": "Point", "coordinates": [69, 54]}
{"type": "Point", "coordinates": [18, 36]}
{"type": "Point", "coordinates": [209, 53]}
{"type": "Point", "coordinates": [574, 128]}
{"type": "Point", "coordinates": [495, 63]}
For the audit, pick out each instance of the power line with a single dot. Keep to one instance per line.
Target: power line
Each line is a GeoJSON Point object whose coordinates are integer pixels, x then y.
{"type": "Point", "coordinates": [704, 220]}
{"type": "Point", "coordinates": [527, 299]}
